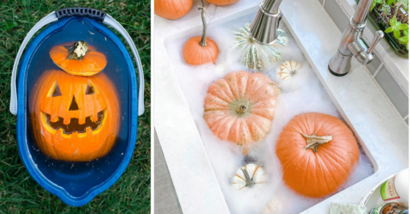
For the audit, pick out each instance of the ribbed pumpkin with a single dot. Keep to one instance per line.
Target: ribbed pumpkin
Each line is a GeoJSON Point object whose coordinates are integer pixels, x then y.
{"type": "Point", "coordinates": [172, 9]}
{"type": "Point", "coordinates": [78, 58]}
{"type": "Point", "coordinates": [200, 50]}
{"type": "Point", "coordinates": [317, 153]}
{"type": "Point", "coordinates": [240, 107]}
{"type": "Point", "coordinates": [222, 2]}
{"type": "Point", "coordinates": [74, 118]}
{"type": "Point", "coordinates": [196, 54]}
{"type": "Point", "coordinates": [255, 56]}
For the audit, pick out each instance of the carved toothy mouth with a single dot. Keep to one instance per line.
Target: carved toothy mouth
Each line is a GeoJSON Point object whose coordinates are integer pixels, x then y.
{"type": "Point", "coordinates": [74, 126]}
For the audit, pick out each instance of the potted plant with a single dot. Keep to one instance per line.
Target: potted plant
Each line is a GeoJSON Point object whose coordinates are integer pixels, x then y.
{"type": "Point", "coordinates": [392, 17]}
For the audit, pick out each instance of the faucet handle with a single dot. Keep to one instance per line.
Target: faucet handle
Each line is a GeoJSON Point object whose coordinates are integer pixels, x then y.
{"type": "Point", "coordinates": [361, 51]}
{"type": "Point", "coordinates": [378, 35]}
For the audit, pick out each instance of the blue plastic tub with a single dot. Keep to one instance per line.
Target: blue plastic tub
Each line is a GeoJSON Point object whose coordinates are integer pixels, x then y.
{"type": "Point", "coordinates": [77, 183]}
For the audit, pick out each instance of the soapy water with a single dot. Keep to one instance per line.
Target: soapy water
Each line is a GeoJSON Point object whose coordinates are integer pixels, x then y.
{"type": "Point", "coordinates": [301, 93]}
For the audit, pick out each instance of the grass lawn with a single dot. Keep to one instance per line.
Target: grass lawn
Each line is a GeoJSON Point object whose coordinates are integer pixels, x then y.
{"type": "Point", "coordinates": [19, 193]}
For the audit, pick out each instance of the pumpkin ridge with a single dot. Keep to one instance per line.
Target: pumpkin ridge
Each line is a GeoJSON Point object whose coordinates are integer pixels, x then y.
{"type": "Point", "coordinates": [208, 51]}
{"type": "Point", "coordinates": [193, 50]}
{"type": "Point", "coordinates": [218, 93]}
{"type": "Point", "coordinates": [216, 101]}
{"type": "Point", "coordinates": [221, 117]}
{"type": "Point", "coordinates": [230, 125]}
{"type": "Point", "coordinates": [305, 171]}
{"type": "Point", "coordinates": [263, 85]}
{"type": "Point", "coordinates": [329, 157]}
{"type": "Point", "coordinates": [328, 172]}
{"type": "Point", "coordinates": [289, 162]}
{"type": "Point", "coordinates": [230, 129]}
{"type": "Point", "coordinates": [253, 137]}
{"type": "Point", "coordinates": [256, 115]}
{"type": "Point", "coordinates": [323, 177]}
{"type": "Point", "coordinates": [93, 60]}
{"type": "Point", "coordinates": [337, 182]}
{"type": "Point", "coordinates": [258, 129]}
{"type": "Point", "coordinates": [236, 82]}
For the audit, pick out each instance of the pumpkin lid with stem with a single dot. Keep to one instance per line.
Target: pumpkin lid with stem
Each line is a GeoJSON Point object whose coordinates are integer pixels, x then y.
{"type": "Point", "coordinates": [78, 58]}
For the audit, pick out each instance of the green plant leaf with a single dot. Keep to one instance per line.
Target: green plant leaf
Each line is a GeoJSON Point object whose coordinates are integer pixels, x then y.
{"type": "Point", "coordinates": [406, 32]}
{"type": "Point", "coordinates": [402, 27]}
{"type": "Point", "coordinates": [393, 21]}
{"type": "Point", "coordinates": [397, 34]}
{"type": "Point", "coordinates": [390, 2]}
{"type": "Point", "coordinates": [375, 2]}
{"type": "Point", "coordinates": [373, 5]}
{"type": "Point", "coordinates": [389, 30]}
{"type": "Point", "coordinates": [403, 40]}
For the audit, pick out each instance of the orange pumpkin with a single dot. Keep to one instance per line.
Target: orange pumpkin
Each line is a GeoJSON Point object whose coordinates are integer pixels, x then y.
{"type": "Point", "coordinates": [195, 54]}
{"type": "Point", "coordinates": [240, 107]}
{"type": "Point", "coordinates": [317, 153]}
{"type": "Point", "coordinates": [200, 50]}
{"type": "Point", "coordinates": [78, 58]}
{"type": "Point", "coordinates": [172, 9]}
{"type": "Point", "coordinates": [222, 2]}
{"type": "Point", "coordinates": [74, 118]}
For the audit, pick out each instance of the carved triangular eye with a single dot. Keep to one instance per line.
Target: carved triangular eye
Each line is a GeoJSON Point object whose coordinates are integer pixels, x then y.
{"type": "Point", "coordinates": [55, 90]}
{"type": "Point", "coordinates": [90, 89]}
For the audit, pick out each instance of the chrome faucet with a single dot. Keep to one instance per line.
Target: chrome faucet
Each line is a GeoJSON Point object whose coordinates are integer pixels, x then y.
{"type": "Point", "coordinates": [264, 27]}
{"type": "Point", "coordinates": [264, 31]}
{"type": "Point", "coordinates": [352, 44]}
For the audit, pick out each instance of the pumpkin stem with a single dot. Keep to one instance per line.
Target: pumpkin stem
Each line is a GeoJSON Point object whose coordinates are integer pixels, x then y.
{"type": "Point", "coordinates": [248, 180]}
{"type": "Point", "coordinates": [77, 50]}
{"type": "Point", "coordinates": [203, 38]}
{"type": "Point", "coordinates": [241, 109]}
{"type": "Point", "coordinates": [313, 141]}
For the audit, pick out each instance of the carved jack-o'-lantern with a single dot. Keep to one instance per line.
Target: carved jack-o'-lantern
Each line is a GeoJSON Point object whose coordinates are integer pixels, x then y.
{"type": "Point", "coordinates": [74, 118]}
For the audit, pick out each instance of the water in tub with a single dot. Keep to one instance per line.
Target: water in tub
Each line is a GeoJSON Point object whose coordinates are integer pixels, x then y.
{"type": "Point", "coordinates": [301, 93]}
{"type": "Point", "coordinates": [78, 177]}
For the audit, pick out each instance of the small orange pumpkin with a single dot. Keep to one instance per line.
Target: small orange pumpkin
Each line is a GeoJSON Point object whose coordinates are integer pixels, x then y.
{"type": "Point", "coordinates": [78, 58]}
{"type": "Point", "coordinates": [74, 118]}
{"type": "Point", "coordinates": [317, 153]}
{"type": "Point", "coordinates": [222, 2]}
{"type": "Point", "coordinates": [200, 50]}
{"type": "Point", "coordinates": [172, 9]}
{"type": "Point", "coordinates": [196, 54]}
{"type": "Point", "coordinates": [240, 107]}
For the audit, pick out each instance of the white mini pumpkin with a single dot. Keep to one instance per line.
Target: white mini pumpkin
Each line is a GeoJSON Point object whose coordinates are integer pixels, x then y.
{"type": "Point", "coordinates": [288, 68]}
{"type": "Point", "coordinates": [248, 176]}
{"type": "Point", "coordinates": [254, 55]}
{"type": "Point", "coordinates": [276, 205]}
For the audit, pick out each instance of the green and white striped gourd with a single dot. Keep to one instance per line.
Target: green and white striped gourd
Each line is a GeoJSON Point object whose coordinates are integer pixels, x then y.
{"type": "Point", "coordinates": [256, 56]}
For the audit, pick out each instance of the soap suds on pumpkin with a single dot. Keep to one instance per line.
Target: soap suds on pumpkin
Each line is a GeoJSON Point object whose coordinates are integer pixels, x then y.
{"type": "Point", "coordinates": [301, 93]}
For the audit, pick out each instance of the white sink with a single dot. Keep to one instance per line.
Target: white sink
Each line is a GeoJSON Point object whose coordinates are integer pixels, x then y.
{"type": "Point", "coordinates": [380, 131]}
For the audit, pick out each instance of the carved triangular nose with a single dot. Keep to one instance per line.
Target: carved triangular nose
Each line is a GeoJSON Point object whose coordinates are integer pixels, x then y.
{"type": "Point", "coordinates": [73, 105]}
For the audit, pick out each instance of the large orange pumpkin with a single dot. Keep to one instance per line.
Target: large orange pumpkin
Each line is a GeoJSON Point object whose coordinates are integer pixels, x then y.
{"type": "Point", "coordinates": [222, 2]}
{"type": "Point", "coordinates": [74, 118]}
{"type": "Point", "coordinates": [240, 107]}
{"type": "Point", "coordinates": [78, 58]}
{"type": "Point", "coordinates": [172, 9]}
{"type": "Point", "coordinates": [317, 153]}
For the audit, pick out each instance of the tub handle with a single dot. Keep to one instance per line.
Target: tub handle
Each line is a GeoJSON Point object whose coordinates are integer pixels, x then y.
{"type": "Point", "coordinates": [44, 21]}
{"type": "Point", "coordinates": [54, 16]}
{"type": "Point", "coordinates": [81, 11]}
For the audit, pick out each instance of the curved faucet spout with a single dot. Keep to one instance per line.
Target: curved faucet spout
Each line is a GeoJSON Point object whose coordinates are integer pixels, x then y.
{"type": "Point", "coordinates": [362, 11]}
